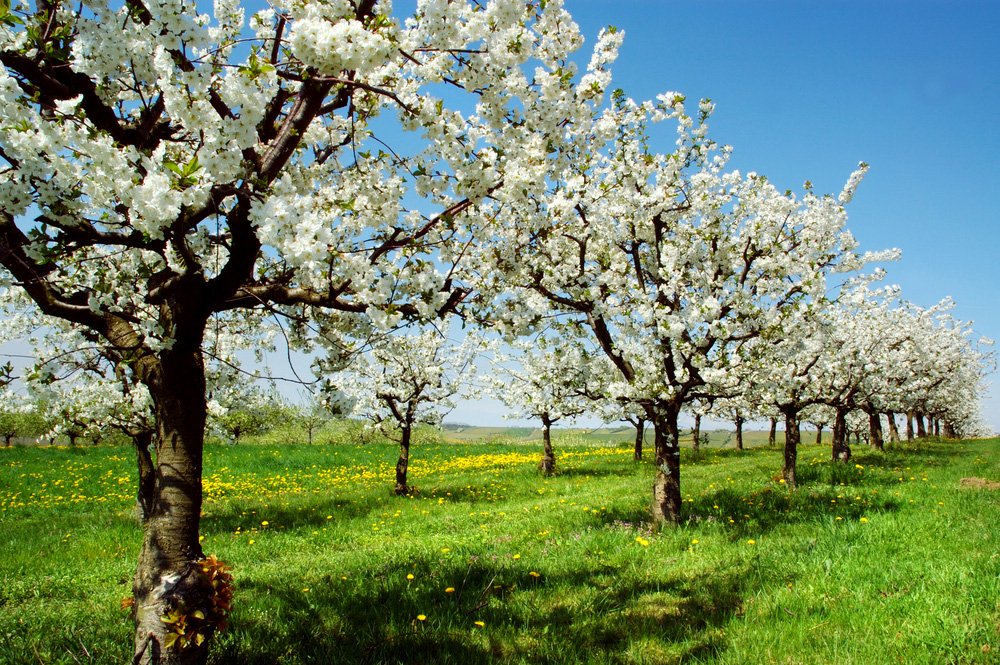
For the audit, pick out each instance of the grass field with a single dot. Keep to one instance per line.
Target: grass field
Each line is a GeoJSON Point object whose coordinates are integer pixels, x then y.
{"type": "Point", "coordinates": [891, 559]}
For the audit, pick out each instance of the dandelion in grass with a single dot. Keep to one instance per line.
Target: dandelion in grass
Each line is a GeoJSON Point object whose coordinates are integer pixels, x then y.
{"type": "Point", "coordinates": [534, 574]}
{"type": "Point", "coordinates": [252, 541]}
{"type": "Point", "coordinates": [450, 589]}
{"type": "Point", "coordinates": [409, 576]}
{"type": "Point", "coordinates": [863, 519]}
{"type": "Point", "coordinates": [751, 542]}
{"type": "Point", "coordinates": [421, 617]}
{"type": "Point", "coordinates": [479, 623]}
{"type": "Point", "coordinates": [517, 556]}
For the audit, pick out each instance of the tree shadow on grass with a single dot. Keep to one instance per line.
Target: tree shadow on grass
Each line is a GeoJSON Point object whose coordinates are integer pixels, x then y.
{"type": "Point", "coordinates": [759, 512]}
{"type": "Point", "coordinates": [495, 612]}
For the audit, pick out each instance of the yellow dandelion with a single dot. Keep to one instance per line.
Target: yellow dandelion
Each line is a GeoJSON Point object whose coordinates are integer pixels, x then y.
{"type": "Point", "coordinates": [264, 523]}
{"type": "Point", "coordinates": [450, 589]}
{"type": "Point", "coordinates": [252, 541]}
{"type": "Point", "coordinates": [517, 556]}
{"type": "Point", "coordinates": [751, 542]}
{"type": "Point", "coordinates": [421, 617]}
{"type": "Point", "coordinates": [409, 576]}
{"type": "Point", "coordinates": [534, 574]}
{"type": "Point", "coordinates": [479, 623]}
{"type": "Point", "coordinates": [694, 542]}
{"type": "Point", "coordinates": [863, 519]}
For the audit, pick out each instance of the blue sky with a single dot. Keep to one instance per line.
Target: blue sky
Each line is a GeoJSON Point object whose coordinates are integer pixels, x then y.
{"type": "Point", "coordinates": [804, 90]}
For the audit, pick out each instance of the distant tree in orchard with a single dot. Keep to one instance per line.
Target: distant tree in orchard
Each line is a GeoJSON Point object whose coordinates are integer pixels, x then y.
{"type": "Point", "coordinates": [549, 379]}
{"type": "Point", "coordinates": [405, 380]}
{"type": "Point", "coordinates": [165, 172]}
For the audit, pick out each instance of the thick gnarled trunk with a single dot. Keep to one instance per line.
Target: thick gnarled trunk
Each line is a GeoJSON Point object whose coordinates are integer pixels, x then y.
{"type": "Point", "coordinates": [792, 438]}
{"type": "Point", "coordinates": [640, 433]}
{"type": "Point", "coordinates": [548, 463]}
{"type": "Point", "coordinates": [841, 448]}
{"type": "Point", "coordinates": [921, 430]}
{"type": "Point", "coordinates": [403, 463]}
{"type": "Point", "coordinates": [168, 584]}
{"type": "Point", "coordinates": [893, 430]}
{"type": "Point", "coordinates": [666, 506]}
{"type": "Point", "coordinates": [875, 431]}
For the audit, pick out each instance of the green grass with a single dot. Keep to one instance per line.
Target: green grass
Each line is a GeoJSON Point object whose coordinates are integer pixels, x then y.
{"type": "Point", "coordinates": [887, 560]}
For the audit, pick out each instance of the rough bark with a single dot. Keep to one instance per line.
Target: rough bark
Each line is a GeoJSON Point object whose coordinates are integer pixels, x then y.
{"type": "Point", "coordinates": [819, 434]}
{"type": "Point", "coordinates": [548, 463]}
{"type": "Point", "coordinates": [909, 425]}
{"type": "Point", "coordinates": [921, 430]}
{"type": "Point", "coordinates": [937, 427]}
{"type": "Point", "coordinates": [147, 475]}
{"type": "Point", "coordinates": [772, 434]}
{"type": "Point", "coordinates": [792, 438]}
{"type": "Point", "coordinates": [893, 430]}
{"type": "Point", "coordinates": [403, 462]}
{"type": "Point", "coordinates": [696, 446]}
{"type": "Point", "coordinates": [841, 448]}
{"type": "Point", "coordinates": [739, 433]}
{"type": "Point", "coordinates": [666, 507]}
{"type": "Point", "coordinates": [640, 432]}
{"type": "Point", "coordinates": [948, 431]}
{"type": "Point", "coordinates": [875, 431]}
{"type": "Point", "coordinates": [166, 578]}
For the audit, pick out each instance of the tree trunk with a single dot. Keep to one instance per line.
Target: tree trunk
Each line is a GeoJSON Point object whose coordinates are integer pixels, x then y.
{"type": "Point", "coordinates": [167, 578]}
{"type": "Point", "coordinates": [819, 434]}
{"type": "Point", "coordinates": [696, 446]}
{"type": "Point", "coordinates": [8, 438]}
{"type": "Point", "coordinates": [666, 507]}
{"type": "Point", "coordinates": [948, 431]}
{"type": "Point", "coordinates": [875, 431]}
{"type": "Point", "coordinates": [548, 463]}
{"type": "Point", "coordinates": [921, 430]}
{"type": "Point", "coordinates": [404, 459]}
{"type": "Point", "coordinates": [147, 475]}
{"type": "Point", "coordinates": [893, 431]}
{"type": "Point", "coordinates": [772, 434]}
{"type": "Point", "coordinates": [640, 432]}
{"type": "Point", "coordinates": [909, 425]}
{"type": "Point", "coordinates": [792, 438]}
{"type": "Point", "coordinates": [739, 433]}
{"type": "Point", "coordinates": [841, 448]}
{"type": "Point", "coordinates": [937, 427]}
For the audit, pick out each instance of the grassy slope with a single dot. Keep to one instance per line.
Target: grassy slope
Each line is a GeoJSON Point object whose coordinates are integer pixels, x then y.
{"type": "Point", "coordinates": [888, 560]}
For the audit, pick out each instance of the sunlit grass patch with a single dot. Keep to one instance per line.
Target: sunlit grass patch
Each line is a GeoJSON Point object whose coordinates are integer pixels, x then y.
{"type": "Point", "coordinates": [505, 565]}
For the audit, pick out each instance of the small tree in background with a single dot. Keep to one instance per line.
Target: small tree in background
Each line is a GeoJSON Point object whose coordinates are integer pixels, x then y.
{"type": "Point", "coordinates": [405, 380]}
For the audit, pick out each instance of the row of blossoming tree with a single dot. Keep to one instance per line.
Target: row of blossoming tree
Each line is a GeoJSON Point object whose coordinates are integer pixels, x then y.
{"type": "Point", "coordinates": [173, 181]}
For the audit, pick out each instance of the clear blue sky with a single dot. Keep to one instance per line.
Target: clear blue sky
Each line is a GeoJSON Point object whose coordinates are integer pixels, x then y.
{"type": "Point", "coordinates": [806, 89]}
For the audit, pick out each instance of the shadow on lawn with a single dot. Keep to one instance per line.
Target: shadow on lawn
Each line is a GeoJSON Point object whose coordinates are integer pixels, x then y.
{"type": "Point", "coordinates": [577, 616]}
